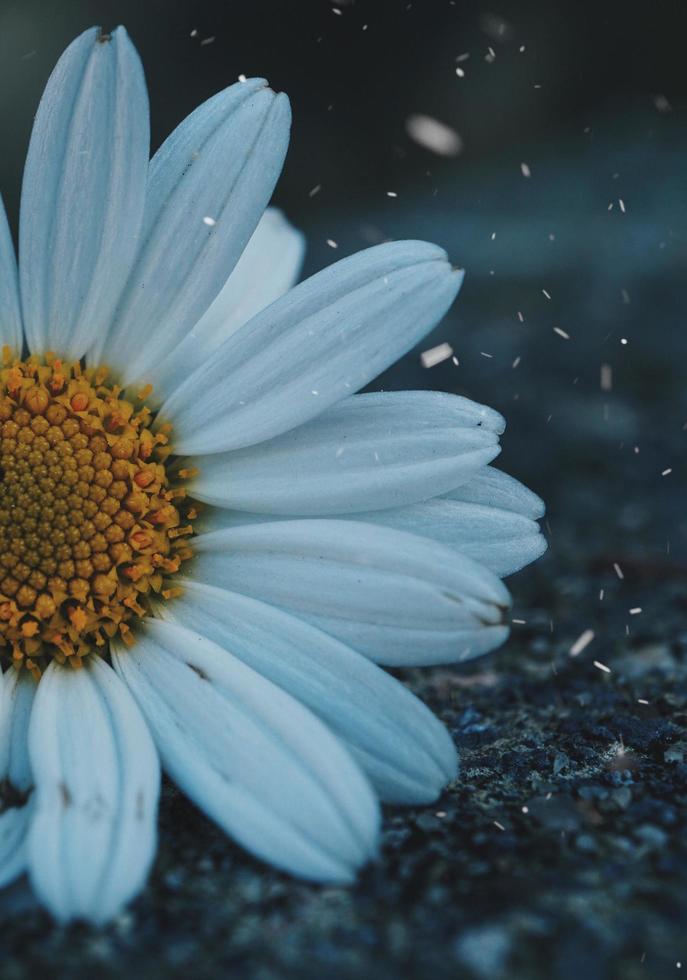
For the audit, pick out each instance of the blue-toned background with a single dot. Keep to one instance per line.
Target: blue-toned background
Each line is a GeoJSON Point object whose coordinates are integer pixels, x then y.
{"type": "Point", "coordinates": [589, 237]}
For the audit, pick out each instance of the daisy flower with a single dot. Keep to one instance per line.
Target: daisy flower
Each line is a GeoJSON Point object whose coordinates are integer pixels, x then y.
{"type": "Point", "coordinates": [208, 542]}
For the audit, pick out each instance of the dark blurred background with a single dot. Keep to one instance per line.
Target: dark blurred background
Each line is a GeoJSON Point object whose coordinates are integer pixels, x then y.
{"type": "Point", "coordinates": [565, 198]}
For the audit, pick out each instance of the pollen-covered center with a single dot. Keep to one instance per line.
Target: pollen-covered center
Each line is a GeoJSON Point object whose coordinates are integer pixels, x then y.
{"type": "Point", "coordinates": [91, 527]}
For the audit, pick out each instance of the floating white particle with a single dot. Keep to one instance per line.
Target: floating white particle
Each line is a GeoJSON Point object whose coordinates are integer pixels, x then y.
{"type": "Point", "coordinates": [462, 57]}
{"type": "Point", "coordinates": [642, 701]}
{"type": "Point", "coordinates": [618, 570]}
{"type": "Point", "coordinates": [314, 391]}
{"type": "Point", "coordinates": [435, 355]}
{"type": "Point", "coordinates": [495, 27]}
{"type": "Point", "coordinates": [484, 354]}
{"type": "Point", "coordinates": [621, 204]}
{"type": "Point", "coordinates": [210, 222]}
{"type": "Point", "coordinates": [499, 825]}
{"type": "Point", "coordinates": [433, 135]}
{"type": "Point", "coordinates": [441, 814]}
{"type": "Point", "coordinates": [521, 49]}
{"type": "Point", "coordinates": [521, 318]}
{"type": "Point", "coordinates": [636, 450]}
{"type": "Point", "coordinates": [581, 643]}
{"type": "Point", "coordinates": [667, 472]}
{"type": "Point", "coordinates": [520, 622]}
{"type": "Point", "coordinates": [332, 243]}
{"type": "Point", "coordinates": [662, 103]}
{"type": "Point", "coordinates": [610, 206]}
{"type": "Point", "coordinates": [391, 194]}
{"type": "Point", "coordinates": [459, 72]}
{"type": "Point", "coordinates": [455, 361]}
{"type": "Point", "coordinates": [600, 666]}
{"type": "Point", "coordinates": [207, 40]}
{"type": "Point", "coordinates": [335, 10]}
{"type": "Point", "coordinates": [626, 296]}
{"type": "Point", "coordinates": [548, 295]}
{"type": "Point", "coordinates": [516, 361]}
{"type": "Point", "coordinates": [635, 611]}
{"type": "Point", "coordinates": [524, 809]}
{"type": "Point", "coordinates": [314, 190]}
{"type": "Point", "coordinates": [525, 170]}
{"type": "Point", "coordinates": [561, 333]}
{"type": "Point", "coordinates": [194, 32]}
{"type": "Point", "coordinates": [606, 377]}
{"type": "Point", "coordinates": [601, 595]}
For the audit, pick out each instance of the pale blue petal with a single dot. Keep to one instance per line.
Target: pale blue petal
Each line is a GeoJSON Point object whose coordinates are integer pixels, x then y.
{"type": "Point", "coordinates": [360, 582]}
{"type": "Point", "coordinates": [407, 754]}
{"type": "Point", "coordinates": [268, 268]}
{"type": "Point", "coordinates": [494, 488]}
{"type": "Point", "coordinates": [328, 337]}
{"type": "Point", "coordinates": [370, 451]}
{"type": "Point", "coordinates": [501, 540]}
{"type": "Point", "coordinates": [93, 834]}
{"type": "Point", "coordinates": [17, 689]}
{"type": "Point", "coordinates": [209, 185]}
{"type": "Point", "coordinates": [254, 759]}
{"type": "Point", "coordinates": [403, 646]}
{"type": "Point", "coordinates": [83, 193]}
{"type": "Point", "coordinates": [10, 309]}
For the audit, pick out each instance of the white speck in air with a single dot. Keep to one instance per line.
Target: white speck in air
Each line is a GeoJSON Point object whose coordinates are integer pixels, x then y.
{"type": "Point", "coordinates": [581, 643]}
{"type": "Point", "coordinates": [433, 135]}
{"type": "Point", "coordinates": [435, 355]}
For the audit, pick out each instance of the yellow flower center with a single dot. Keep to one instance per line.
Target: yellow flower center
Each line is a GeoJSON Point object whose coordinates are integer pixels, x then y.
{"type": "Point", "coordinates": [91, 524]}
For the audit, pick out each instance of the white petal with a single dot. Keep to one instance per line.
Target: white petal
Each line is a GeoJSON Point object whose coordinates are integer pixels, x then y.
{"type": "Point", "coordinates": [257, 762]}
{"type": "Point", "coordinates": [494, 488]}
{"type": "Point", "coordinates": [17, 689]}
{"type": "Point", "coordinates": [10, 310]}
{"type": "Point", "coordinates": [268, 268]}
{"type": "Point", "coordinates": [363, 583]}
{"type": "Point", "coordinates": [93, 835]}
{"type": "Point", "coordinates": [407, 754]}
{"type": "Point", "coordinates": [370, 451]}
{"type": "Point", "coordinates": [328, 337]}
{"type": "Point", "coordinates": [209, 185]}
{"type": "Point", "coordinates": [83, 192]}
{"type": "Point", "coordinates": [501, 540]}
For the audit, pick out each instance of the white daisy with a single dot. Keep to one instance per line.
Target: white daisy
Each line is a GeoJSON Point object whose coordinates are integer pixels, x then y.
{"type": "Point", "coordinates": [208, 542]}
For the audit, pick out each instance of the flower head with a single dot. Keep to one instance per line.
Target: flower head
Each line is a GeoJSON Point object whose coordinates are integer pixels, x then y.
{"type": "Point", "coordinates": [208, 540]}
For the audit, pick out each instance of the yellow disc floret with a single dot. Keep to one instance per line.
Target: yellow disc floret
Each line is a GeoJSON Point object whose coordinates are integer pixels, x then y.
{"type": "Point", "coordinates": [91, 526]}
